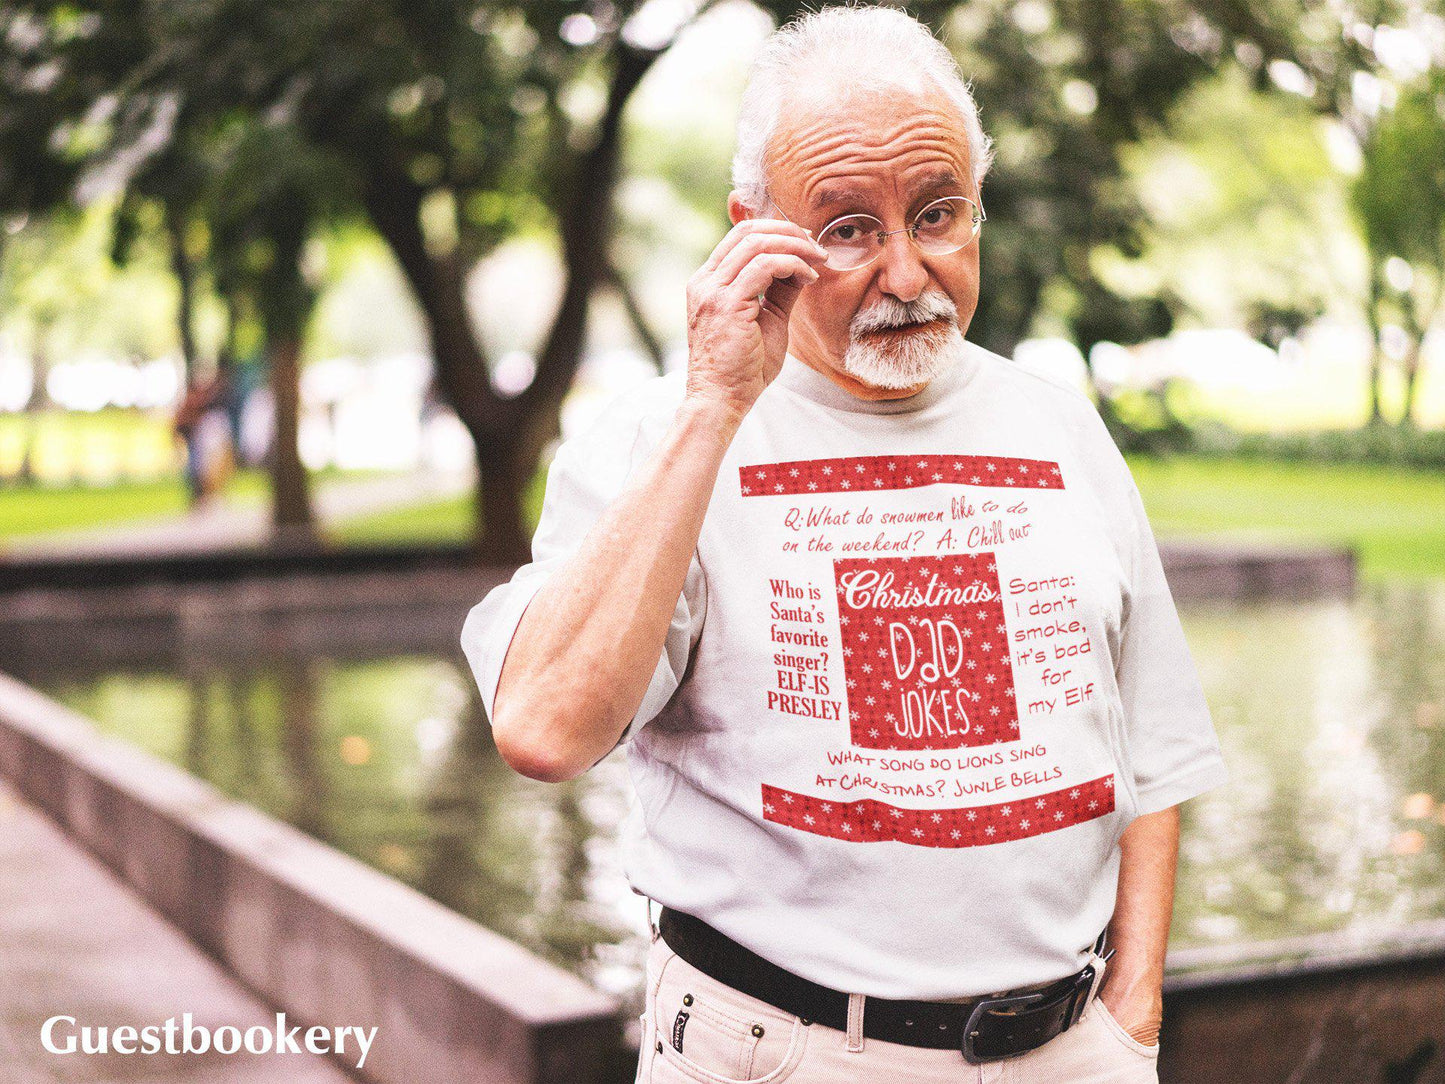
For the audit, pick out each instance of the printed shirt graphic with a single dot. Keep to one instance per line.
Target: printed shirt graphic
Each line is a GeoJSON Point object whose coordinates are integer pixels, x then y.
{"type": "Point", "coordinates": [924, 670]}
{"type": "Point", "coordinates": [926, 653]}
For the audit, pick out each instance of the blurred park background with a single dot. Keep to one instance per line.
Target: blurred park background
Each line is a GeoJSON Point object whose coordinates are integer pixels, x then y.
{"type": "Point", "coordinates": [416, 236]}
{"type": "Point", "coordinates": [373, 258]}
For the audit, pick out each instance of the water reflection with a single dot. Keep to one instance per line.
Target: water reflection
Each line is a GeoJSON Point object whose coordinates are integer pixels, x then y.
{"type": "Point", "coordinates": [1330, 713]}
{"type": "Point", "coordinates": [391, 760]}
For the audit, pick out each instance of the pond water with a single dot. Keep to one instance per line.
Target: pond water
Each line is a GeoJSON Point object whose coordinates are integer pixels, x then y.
{"type": "Point", "coordinates": [1331, 714]}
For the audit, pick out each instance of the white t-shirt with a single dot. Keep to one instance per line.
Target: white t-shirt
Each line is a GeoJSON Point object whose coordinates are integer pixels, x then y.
{"type": "Point", "coordinates": [924, 671]}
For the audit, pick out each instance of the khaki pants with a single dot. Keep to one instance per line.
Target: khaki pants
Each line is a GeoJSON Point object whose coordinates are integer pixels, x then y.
{"type": "Point", "coordinates": [729, 1037]}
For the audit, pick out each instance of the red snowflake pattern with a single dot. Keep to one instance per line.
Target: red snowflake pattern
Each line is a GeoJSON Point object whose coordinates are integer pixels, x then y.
{"type": "Point", "coordinates": [873, 473]}
{"type": "Point", "coordinates": [868, 820]}
{"type": "Point", "coordinates": [925, 651]}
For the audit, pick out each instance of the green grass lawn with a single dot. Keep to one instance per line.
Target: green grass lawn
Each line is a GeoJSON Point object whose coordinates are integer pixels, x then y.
{"type": "Point", "coordinates": [448, 520]}
{"type": "Point", "coordinates": [34, 510]}
{"type": "Point", "coordinates": [1393, 517]}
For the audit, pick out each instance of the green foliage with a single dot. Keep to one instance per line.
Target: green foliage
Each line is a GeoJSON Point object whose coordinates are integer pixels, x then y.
{"type": "Point", "coordinates": [61, 296]}
{"type": "Point", "coordinates": [1150, 420]}
{"type": "Point", "coordinates": [488, 106]}
{"type": "Point", "coordinates": [1399, 202]}
{"type": "Point", "coordinates": [1243, 221]}
{"type": "Point", "coordinates": [1383, 445]}
{"type": "Point", "coordinates": [1399, 196]}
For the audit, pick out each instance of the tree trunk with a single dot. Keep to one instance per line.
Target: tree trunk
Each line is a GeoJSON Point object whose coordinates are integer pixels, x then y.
{"type": "Point", "coordinates": [587, 222]}
{"type": "Point", "coordinates": [1372, 316]}
{"type": "Point", "coordinates": [291, 516]}
{"type": "Point", "coordinates": [504, 535]}
{"type": "Point", "coordinates": [226, 355]}
{"type": "Point", "coordinates": [511, 434]}
{"type": "Point", "coordinates": [30, 412]}
{"type": "Point", "coordinates": [1411, 365]}
{"type": "Point", "coordinates": [1418, 326]}
{"type": "Point", "coordinates": [185, 280]}
{"type": "Point", "coordinates": [393, 202]}
{"type": "Point", "coordinates": [640, 327]}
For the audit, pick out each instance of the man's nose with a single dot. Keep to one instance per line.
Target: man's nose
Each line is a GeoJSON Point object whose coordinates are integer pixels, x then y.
{"type": "Point", "coordinates": [901, 271]}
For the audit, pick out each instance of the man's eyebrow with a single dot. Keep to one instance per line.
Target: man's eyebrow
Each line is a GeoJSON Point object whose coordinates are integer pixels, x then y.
{"type": "Point", "coordinates": [936, 182]}
{"type": "Point", "coordinates": [826, 197]}
{"type": "Point", "coordinates": [932, 182]}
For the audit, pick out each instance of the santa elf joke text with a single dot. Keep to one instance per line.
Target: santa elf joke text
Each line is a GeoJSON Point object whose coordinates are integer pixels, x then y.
{"type": "Point", "coordinates": [931, 639]}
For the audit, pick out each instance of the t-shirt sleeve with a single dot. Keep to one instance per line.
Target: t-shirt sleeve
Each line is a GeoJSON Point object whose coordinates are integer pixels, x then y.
{"type": "Point", "coordinates": [1173, 748]}
{"type": "Point", "coordinates": [587, 473]}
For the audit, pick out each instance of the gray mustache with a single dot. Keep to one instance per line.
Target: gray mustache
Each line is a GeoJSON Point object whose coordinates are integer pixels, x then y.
{"type": "Point", "coordinates": [892, 314]}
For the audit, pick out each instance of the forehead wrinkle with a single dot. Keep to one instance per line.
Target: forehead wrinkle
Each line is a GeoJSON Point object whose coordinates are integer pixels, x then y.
{"type": "Point", "coordinates": [816, 148]}
{"type": "Point", "coordinates": [831, 144]}
{"type": "Point", "coordinates": [844, 191]}
{"type": "Point", "coordinates": [839, 175]}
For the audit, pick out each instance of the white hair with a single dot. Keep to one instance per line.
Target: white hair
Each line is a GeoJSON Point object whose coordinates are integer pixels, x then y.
{"type": "Point", "coordinates": [864, 47]}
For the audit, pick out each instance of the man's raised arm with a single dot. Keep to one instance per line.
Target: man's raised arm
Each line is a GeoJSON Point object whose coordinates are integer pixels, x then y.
{"type": "Point", "coordinates": [588, 642]}
{"type": "Point", "coordinates": [585, 649]}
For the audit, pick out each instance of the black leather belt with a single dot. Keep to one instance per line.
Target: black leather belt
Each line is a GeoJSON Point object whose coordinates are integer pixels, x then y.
{"type": "Point", "coordinates": [984, 1028]}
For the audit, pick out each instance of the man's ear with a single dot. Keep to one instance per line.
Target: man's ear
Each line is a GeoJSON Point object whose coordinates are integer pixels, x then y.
{"type": "Point", "coordinates": [737, 209]}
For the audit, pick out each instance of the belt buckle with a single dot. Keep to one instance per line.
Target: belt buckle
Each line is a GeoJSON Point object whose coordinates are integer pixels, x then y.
{"type": "Point", "coordinates": [1083, 985]}
{"type": "Point", "coordinates": [971, 1029]}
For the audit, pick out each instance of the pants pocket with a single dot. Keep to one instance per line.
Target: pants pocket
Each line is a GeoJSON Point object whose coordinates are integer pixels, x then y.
{"type": "Point", "coordinates": [714, 1034]}
{"type": "Point", "coordinates": [1117, 1030]}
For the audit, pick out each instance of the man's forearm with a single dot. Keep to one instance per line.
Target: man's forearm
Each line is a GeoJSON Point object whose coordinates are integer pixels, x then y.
{"type": "Point", "coordinates": [1139, 930]}
{"type": "Point", "coordinates": [588, 642]}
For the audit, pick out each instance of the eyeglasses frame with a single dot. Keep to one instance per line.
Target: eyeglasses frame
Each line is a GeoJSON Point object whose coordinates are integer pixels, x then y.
{"type": "Point", "coordinates": [978, 222]}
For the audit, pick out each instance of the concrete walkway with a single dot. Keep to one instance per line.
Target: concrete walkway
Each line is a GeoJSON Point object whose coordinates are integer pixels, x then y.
{"type": "Point", "coordinates": [233, 525]}
{"type": "Point", "coordinates": [74, 940]}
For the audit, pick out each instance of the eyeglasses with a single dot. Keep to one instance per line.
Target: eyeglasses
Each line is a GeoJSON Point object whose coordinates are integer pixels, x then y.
{"type": "Point", "coordinates": [946, 225]}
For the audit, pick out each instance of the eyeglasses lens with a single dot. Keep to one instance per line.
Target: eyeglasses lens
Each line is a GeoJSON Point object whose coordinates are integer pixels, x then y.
{"type": "Point", "coordinates": [944, 226]}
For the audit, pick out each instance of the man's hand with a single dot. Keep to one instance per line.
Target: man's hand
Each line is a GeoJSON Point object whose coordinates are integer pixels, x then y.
{"type": "Point", "coordinates": [1139, 1009]}
{"type": "Point", "coordinates": [738, 305]}
{"type": "Point", "coordinates": [1133, 986]}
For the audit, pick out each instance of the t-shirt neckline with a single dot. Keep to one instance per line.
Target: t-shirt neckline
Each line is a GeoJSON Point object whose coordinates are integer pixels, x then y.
{"type": "Point", "coordinates": [800, 377]}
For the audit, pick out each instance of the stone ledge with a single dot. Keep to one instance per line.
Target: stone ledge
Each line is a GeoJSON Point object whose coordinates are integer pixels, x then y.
{"type": "Point", "coordinates": [312, 931]}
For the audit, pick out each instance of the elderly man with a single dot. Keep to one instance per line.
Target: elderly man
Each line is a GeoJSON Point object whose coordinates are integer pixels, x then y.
{"type": "Point", "coordinates": [881, 623]}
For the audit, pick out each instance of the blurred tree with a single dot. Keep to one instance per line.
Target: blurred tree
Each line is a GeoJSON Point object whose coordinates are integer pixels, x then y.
{"type": "Point", "coordinates": [466, 125]}
{"type": "Point", "coordinates": [62, 297]}
{"type": "Point", "coordinates": [460, 125]}
{"type": "Point", "coordinates": [269, 190]}
{"type": "Point", "coordinates": [98, 103]}
{"type": "Point", "coordinates": [1069, 90]}
{"type": "Point", "coordinates": [1066, 88]}
{"type": "Point", "coordinates": [1399, 201]}
{"type": "Point", "coordinates": [1243, 211]}
{"type": "Point", "coordinates": [24, 285]}
{"type": "Point", "coordinates": [171, 183]}
{"type": "Point", "coordinates": [240, 196]}
{"type": "Point", "coordinates": [456, 125]}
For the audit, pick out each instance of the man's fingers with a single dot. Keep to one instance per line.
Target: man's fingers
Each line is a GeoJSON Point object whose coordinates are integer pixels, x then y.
{"type": "Point", "coordinates": [744, 229]}
{"type": "Point", "coordinates": [763, 270]}
{"type": "Point", "coordinates": [782, 296]}
{"type": "Point", "coordinates": [760, 243]}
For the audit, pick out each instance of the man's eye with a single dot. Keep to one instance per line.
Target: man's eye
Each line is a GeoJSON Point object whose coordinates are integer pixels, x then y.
{"type": "Point", "coordinates": [845, 232]}
{"type": "Point", "coordinates": [935, 217]}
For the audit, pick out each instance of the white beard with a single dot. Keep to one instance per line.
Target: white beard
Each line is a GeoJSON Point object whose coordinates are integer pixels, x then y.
{"type": "Point", "coordinates": [907, 359]}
